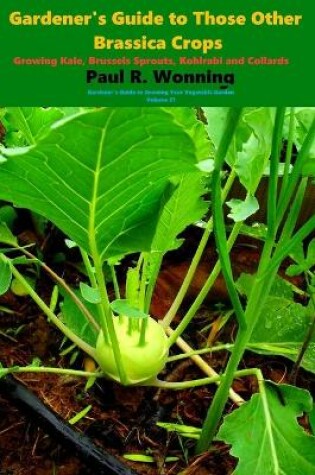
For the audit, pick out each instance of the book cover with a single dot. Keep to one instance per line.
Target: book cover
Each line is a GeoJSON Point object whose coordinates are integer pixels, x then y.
{"type": "Point", "coordinates": [157, 237]}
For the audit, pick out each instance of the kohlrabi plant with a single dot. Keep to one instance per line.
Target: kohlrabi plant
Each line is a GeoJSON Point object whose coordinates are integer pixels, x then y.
{"type": "Point", "coordinates": [129, 181]}
{"type": "Point", "coordinates": [113, 180]}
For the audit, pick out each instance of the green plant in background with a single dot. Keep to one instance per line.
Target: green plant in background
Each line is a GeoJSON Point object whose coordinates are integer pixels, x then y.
{"type": "Point", "coordinates": [280, 240]}
{"type": "Point", "coordinates": [121, 181]}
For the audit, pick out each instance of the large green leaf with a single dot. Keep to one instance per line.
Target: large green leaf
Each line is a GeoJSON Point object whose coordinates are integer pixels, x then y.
{"type": "Point", "coordinates": [266, 437]}
{"type": "Point", "coordinates": [32, 122]}
{"type": "Point", "coordinates": [251, 160]}
{"type": "Point", "coordinates": [195, 128]}
{"type": "Point", "coordinates": [283, 320]}
{"type": "Point", "coordinates": [216, 118]}
{"type": "Point", "coordinates": [251, 145]}
{"type": "Point", "coordinates": [100, 175]}
{"type": "Point", "coordinates": [283, 330]}
{"type": "Point", "coordinates": [179, 209]}
{"type": "Point", "coordinates": [68, 111]}
{"type": "Point", "coordinates": [283, 325]}
{"type": "Point", "coordinates": [184, 207]}
{"type": "Point", "coordinates": [75, 320]}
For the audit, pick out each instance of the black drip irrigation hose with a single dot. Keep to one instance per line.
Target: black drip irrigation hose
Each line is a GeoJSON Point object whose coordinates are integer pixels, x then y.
{"type": "Point", "coordinates": [52, 424]}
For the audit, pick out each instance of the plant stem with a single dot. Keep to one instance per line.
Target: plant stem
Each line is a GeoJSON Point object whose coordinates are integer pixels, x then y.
{"type": "Point", "coordinates": [260, 290]}
{"type": "Point", "coordinates": [287, 246]}
{"type": "Point", "coordinates": [45, 369]}
{"type": "Point", "coordinates": [142, 279]}
{"type": "Point", "coordinates": [218, 215]}
{"type": "Point", "coordinates": [89, 268]}
{"type": "Point", "coordinates": [54, 298]}
{"type": "Point", "coordinates": [294, 211]}
{"type": "Point", "coordinates": [254, 307]}
{"type": "Point", "coordinates": [272, 348]}
{"type": "Point", "coordinates": [64, 285]}
{"type": "Point", "coordinates": [205, 289]}
{"type": "Point", "coordinates": [115, 281]}
{"type": "Point", "coordinates": [143, 299]}
{"type": "Point", "coordinates": [223, 247]}
{"type": "Point", "coordinates": [167, 320]}
{"type": "Point", "coordinates": [288, 154]}
{"type": "Point", "coordinates": [107, 323]}
{"type": "Point", "coordinates": [143, 327]}
{"type": "Point", "coordinates": [203, 351]}
{"type": "Point", "coordinates": [56, 321]}
{"type": "Point", "coordinates": [295, 174]}
{"type": "Point", "coordinates": [178, 385]}
{"type": "Point", "coordinates": [205, 368]}
{"type": "Point", "coordinates": [274, 172]}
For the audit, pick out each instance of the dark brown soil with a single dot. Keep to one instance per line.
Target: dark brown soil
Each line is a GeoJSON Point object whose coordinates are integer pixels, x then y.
{"type": "Point", "coordinates": [122, 420]}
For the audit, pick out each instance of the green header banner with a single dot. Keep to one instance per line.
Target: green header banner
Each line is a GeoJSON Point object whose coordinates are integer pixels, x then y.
{"type": "Point", "coordinates": [124, 53]}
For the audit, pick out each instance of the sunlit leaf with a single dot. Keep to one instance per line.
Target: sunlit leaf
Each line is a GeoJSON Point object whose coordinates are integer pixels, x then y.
{"type": "Point", "coordinates": [70, 244]}
{"type": "Point", "coordinates": [256, 230]}
{"type": "Point", "coordinates": [216, 117]}
{"type": "Point", "coordinates": [206, 166]}
{"type": "Point", "coordinates": [251, 145]}
{"type": "Point", "coordinates": [241, 210]}
{"type": "Point", "coordinates": [280, 288]}
{"type": "Point", "coordinates": [266, 437]}
{"type": "Point", "coordinates": [184, 207]}
{"type": "Point", "coordinates": [100, 175]}
{"type": "Point", "coordinates": [253, 157]}
{"type": "Point", "coordinates": [89, 293]}
{"type": "Point", "coordinates": [32, 122]}
{"type": "Point", "coordinates": [283, 325]}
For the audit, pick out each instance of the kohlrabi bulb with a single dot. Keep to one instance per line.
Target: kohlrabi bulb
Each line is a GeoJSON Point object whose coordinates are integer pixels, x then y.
{"type": "Point", "coordinates": [140, 363]}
